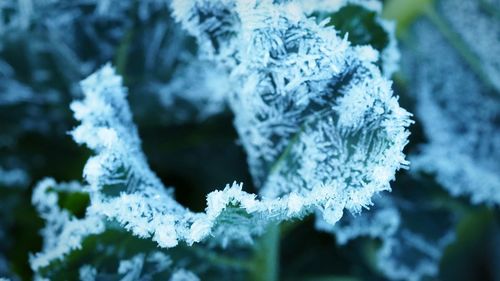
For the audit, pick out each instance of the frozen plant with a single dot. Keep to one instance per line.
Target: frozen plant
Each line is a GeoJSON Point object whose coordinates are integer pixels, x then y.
{"type": "Point", "coordinates": [248, 139]}
{"type": "Point", "coordinates": [320, 125]}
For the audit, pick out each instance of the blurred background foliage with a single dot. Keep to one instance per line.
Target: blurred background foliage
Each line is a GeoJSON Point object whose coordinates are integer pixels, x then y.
{"type": "Point", "coordinates": [49, 55]}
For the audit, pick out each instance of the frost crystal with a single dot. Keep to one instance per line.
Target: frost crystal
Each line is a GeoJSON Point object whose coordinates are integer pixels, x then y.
{"type": "Point", "coordinates": [459, 113]}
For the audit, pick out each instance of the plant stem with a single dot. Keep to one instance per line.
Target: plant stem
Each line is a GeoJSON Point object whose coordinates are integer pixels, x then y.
{"type": "Point", "coordinates": [123, 52]}
{"type": "Point", "coordinates": [266, 259]}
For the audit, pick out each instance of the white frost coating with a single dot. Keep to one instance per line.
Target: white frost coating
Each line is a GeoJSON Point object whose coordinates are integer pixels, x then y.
{"type": "Point", "coordinates": [143, 204]}
{"type": "Point", "coordinates": [62, 232]}
{"type": "Point", "coordinates": [460, 117]}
